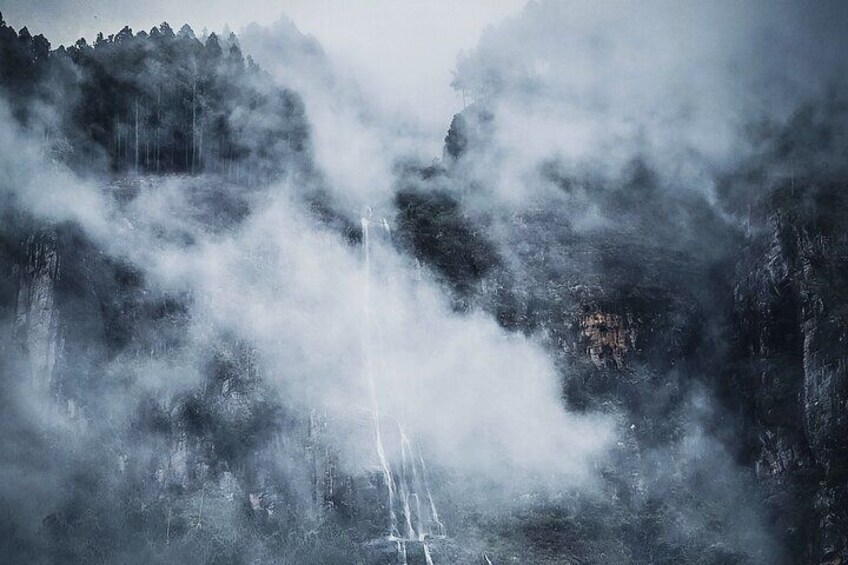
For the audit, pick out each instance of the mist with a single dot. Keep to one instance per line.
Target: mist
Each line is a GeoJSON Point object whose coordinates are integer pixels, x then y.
{"type": "Point", "coordinates": [543, 283]}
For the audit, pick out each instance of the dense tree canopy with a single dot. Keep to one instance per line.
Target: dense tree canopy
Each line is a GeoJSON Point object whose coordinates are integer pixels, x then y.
{"type": "Point", "coordinates": [154, 102]}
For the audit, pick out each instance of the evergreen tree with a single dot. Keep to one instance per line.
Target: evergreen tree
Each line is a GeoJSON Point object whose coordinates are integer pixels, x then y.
{"type": "Point", "coordinates": [157, 102]}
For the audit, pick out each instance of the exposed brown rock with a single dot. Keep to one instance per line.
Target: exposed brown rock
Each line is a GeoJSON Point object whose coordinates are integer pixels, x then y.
{"type": "Point", "coordinates": [609, 337]}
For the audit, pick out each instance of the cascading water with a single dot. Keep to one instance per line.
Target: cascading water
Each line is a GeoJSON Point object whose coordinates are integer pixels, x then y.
{"type": "Point", "coordinates": [372, 387]}
{"type": "Point", "coordinates": [434, 514]}
{"type": "Point", "coordinates": [427, 554]}
{"type": "Point", "coordinates": [404, 491]}
{"type": "Point", "coordinates": [429, 524]}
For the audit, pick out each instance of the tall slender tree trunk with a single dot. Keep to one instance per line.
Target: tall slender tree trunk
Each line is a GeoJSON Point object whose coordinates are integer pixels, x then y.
{"type": "Point", "coordinates": [158, 123]}
{"type": "Point", "coordinates": [193, 122]}
{"type": "Point", "coordinates": [136, 135]}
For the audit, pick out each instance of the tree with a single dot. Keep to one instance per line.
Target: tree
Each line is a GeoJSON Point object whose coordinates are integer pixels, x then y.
{"type": "Point", "coordinates": [166, 30]}
{"type": "Point", "coordinates": [235, 57]}
{"type": "Point", "coordinates": [213, 47]}
{"type": "Point", "coordinates": [124, 35]}
{"type": "Point", "coordinates": [40, 48]}
{"type": "Point", "coordinates": [186, 32]}
{"type": "Point", "coordinates": [24, 36]}
{"type": "Point", "coordinates": [155, 104]}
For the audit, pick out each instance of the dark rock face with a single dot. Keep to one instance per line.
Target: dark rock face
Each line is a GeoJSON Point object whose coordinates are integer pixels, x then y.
{"type": "Point", "coordinates": [639, 320]}
{"type": "Point", "coordinates": [467, 129]}
{"type": "Point", "coordinates": [792, 306]}
{"type": "Point", "coordinates": [36, 316]}
{"type": "Point", "coordinates": [75, 311]}
{"type": "Point", "coordinates": [634, 330]}
{"type": "Point", "coordinates": [430, 224]}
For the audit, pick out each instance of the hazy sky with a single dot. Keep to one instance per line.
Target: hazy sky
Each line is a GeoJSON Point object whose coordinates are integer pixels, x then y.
{"type": "Point", "coordinates": [406, 49]}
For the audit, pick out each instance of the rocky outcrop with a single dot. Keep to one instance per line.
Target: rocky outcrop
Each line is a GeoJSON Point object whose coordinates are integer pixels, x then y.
{"type": "Point", "coordinates": [468, 129]}
{"type": "Point", "coordinates": [793, 312]}
{"type": "Point", "coordinates": [609, 337]}
{"type": "Point", "coordinates": [37, 323]}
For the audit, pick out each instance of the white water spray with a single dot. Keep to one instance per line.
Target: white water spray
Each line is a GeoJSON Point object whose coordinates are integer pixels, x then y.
{"type": "Point", "coordinates": [427, 555]}
{"type": "Point", "coordinates": [434, 514]}
{"type": "Point", "coordinates": [405, 490]}
{"type": "Point", "coordinates": [401, 545]}
{"type": "Point", "coordinates": [372, 387]}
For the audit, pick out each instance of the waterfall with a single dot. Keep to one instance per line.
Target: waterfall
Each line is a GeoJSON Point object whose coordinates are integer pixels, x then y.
{"type": "Point", "coordinates": [405, 491]}
{"type": "Point", "coordinates": [434, 514]}
{"type": "Point", "coordinates": [421, 486]}
{"type": "Point", "coordinates": [372, 387]}
{"type": "Point", "coordinates": [407, 485]}
{"type": "Point", "coordinates": [401, 545]}
{"type": "Point", "coordinates": [427, 555]}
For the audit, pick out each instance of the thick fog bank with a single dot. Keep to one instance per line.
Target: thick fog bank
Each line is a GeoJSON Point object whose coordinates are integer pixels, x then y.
{"type": "Point", "coordinates": [252, 312]}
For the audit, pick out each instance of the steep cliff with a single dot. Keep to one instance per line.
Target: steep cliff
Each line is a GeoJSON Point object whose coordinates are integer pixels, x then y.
{"type": "Point", "coordinates": [710, 328]}
{"type": "Point", "coordinates": [792, 313]}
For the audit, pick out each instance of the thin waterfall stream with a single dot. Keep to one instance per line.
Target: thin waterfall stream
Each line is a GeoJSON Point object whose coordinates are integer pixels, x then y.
{"type": "Point", "coordinates": [408, 519]}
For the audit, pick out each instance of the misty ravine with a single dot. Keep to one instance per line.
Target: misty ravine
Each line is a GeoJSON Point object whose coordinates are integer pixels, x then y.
{"type": "Point", "coordinates": [252, 313]}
